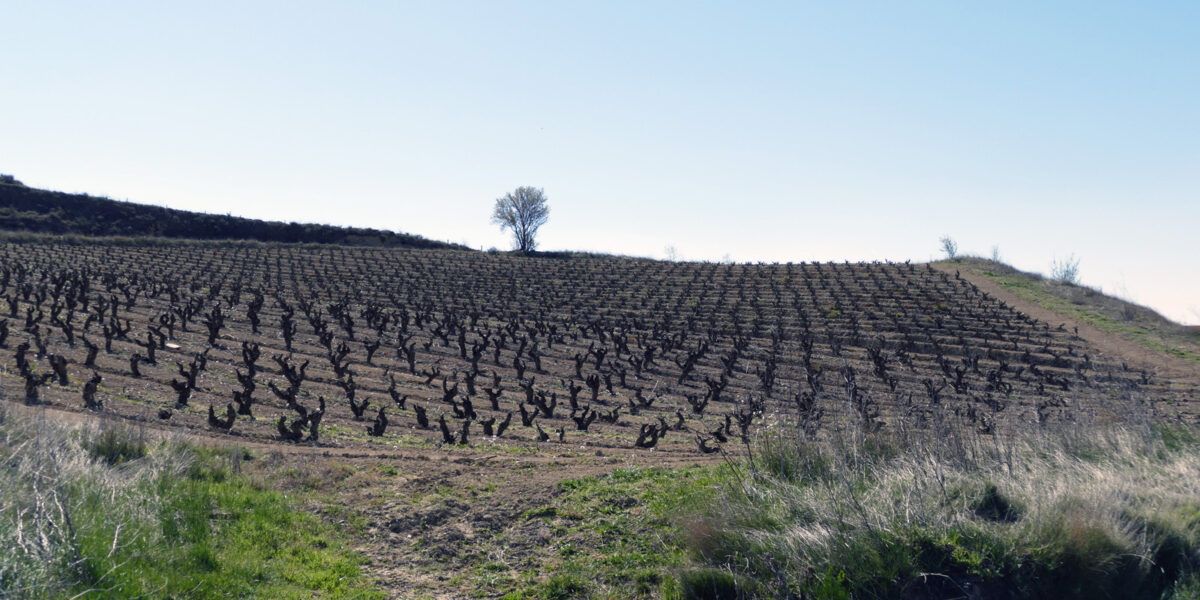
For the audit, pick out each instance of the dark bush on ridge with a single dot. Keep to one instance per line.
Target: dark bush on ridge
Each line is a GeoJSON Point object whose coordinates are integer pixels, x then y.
{"type": "Point", "coordinates": [42, 211]}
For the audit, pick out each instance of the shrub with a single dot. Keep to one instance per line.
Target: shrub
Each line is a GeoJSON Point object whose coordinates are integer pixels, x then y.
{"type": "Point", "coordinates": [1065, 270]}
{"type": "Point", "coordinates": [949, 246]}
{"type": "Point", "coordinates": [117, 445]}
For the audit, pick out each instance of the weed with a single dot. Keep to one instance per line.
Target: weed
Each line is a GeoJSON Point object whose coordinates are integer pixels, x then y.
{"type": "Point", "coordinates": [117, 445]}
{"type": "Point", "coordinates": [564, 587]}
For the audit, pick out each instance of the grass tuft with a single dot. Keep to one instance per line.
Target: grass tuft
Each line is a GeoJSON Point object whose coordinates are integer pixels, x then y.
{"type": "Point", "coordinates": [117, 445]}
{"type": "Point", "coordinates": [713, 584]}
{"type": "Point", "coordinates": [564, 587]}
{"type": "Point", "coordinates": [994, 506]}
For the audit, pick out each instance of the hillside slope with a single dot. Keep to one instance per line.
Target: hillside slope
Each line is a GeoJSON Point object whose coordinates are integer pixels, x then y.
{"type": "Point", "coordinates": [652, 346]}
{"type": "Point", "coordinates": [42, 211]}
{"type": "Point", "coordinates": [440, 404]}
{"type": "Point", "coordinates": [1141, 334]}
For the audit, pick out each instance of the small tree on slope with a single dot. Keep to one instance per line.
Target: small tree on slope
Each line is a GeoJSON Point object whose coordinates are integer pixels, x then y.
{"type": "Point", "coordinates": [523, 211]}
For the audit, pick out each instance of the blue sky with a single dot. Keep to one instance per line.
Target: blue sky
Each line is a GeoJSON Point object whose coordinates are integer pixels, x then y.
{"type": "Point", "coordinates": [753, 131]}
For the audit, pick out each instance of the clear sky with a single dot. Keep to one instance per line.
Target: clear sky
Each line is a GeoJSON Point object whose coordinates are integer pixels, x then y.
{"type": "Point", "coordinates": [755, 131]}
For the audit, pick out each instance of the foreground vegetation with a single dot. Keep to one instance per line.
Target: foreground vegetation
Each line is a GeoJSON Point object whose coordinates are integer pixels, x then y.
{"type": "Point", "coordinates": [1070, 512]}
{"type": "Point", "coordinates": [1080, 512]}
{"type": "Point", "coordinates": [88, 513]}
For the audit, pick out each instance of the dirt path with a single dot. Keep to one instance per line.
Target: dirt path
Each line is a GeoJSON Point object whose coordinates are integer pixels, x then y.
{"type": "Point", "coordinates": [430, 526]}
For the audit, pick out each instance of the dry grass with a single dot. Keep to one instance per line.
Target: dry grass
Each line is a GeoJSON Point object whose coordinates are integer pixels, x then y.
{"type": "Point", "coordinates": [101, 513]}
{"type": "Point", "coordinates": [62, 489]}
{"type": "Point", "coordinates": [1084, 513]}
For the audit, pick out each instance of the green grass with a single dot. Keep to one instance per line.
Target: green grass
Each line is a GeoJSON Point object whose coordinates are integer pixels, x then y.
{"type": "Point", "coordinates": [164, 521]}
{"type": "Point", "coordinates": [226, 537]}
{"type": "Point", "coordinates": [622, 535]}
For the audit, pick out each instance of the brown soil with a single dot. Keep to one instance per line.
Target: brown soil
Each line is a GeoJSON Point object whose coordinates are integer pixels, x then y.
{"type": "Point", "coordinates": [439, 517]}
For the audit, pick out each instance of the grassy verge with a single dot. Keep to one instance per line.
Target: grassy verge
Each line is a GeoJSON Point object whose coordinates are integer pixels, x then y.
{"type": "Point", "coordinates": [622, 535]}
{"type": "Point", "coordinates": [89, 514]}
{"type": "Point", "coordinates": [1071, 514]}
{"type": "Point", "coordinates": [1135, 323]}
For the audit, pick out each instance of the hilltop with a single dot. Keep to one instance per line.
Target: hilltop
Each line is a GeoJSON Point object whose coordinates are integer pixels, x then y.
{"type": "Point", "coordinates": [34, 210]}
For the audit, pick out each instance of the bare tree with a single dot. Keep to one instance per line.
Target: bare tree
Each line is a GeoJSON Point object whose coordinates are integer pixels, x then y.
{"type": "Point", "coordinates": [949, 246]}
{"type": "Point", "coordinates": [523, 211]}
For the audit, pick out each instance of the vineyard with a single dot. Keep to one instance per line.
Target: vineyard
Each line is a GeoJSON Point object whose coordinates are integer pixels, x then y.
{"type": "Point", "coordinates": [379, 348]}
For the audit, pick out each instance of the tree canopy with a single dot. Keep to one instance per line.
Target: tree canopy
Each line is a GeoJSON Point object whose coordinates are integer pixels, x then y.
{"type": "Point", "coordinates": [522, 211]}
